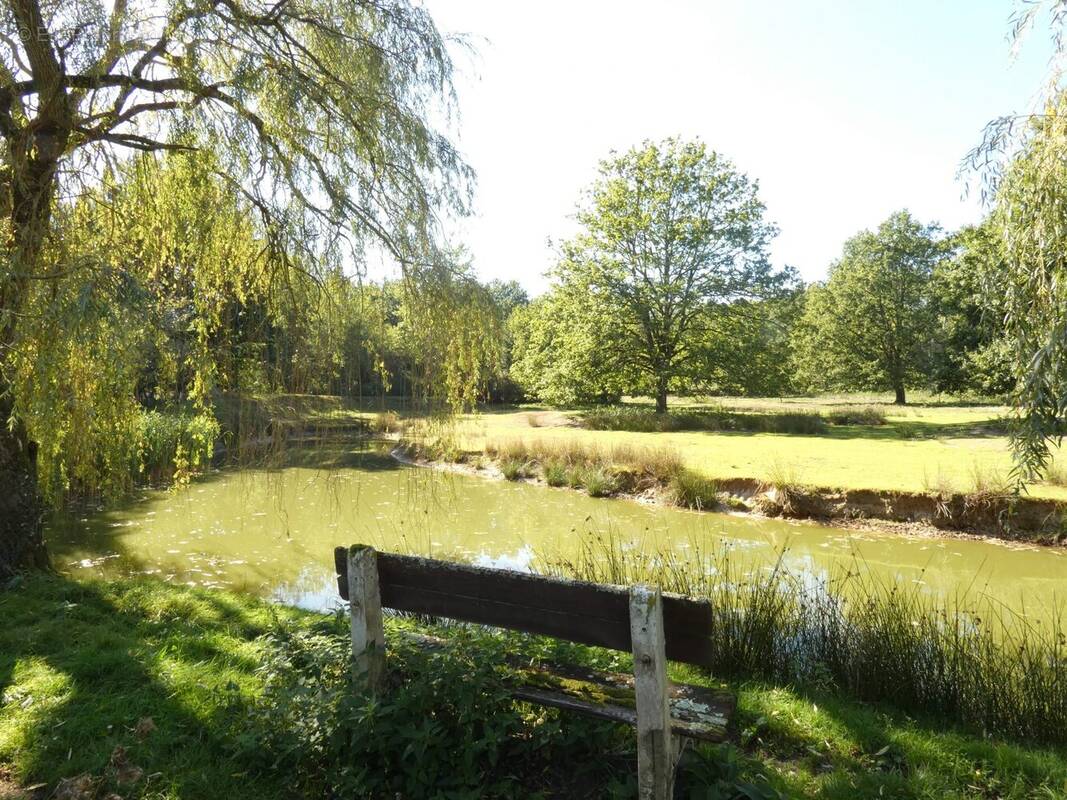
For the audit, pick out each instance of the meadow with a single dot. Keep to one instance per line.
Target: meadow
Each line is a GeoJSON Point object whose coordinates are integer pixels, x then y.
{"type": "Point", "coordinates": [932, 445]}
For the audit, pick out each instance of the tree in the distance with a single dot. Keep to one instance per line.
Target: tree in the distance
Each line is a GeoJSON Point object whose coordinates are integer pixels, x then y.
{"type": "Point", "coordinates": [871, 324]}
{"type": "Point", "coordinates": [671, 231]}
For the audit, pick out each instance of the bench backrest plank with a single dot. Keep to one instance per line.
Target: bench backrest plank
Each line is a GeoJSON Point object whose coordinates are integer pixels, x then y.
{"type": "Point", "coordinates": [587, 613]}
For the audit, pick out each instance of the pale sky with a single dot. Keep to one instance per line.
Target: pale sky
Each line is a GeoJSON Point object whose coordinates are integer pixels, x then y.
{"type": "Point", "coordinates": [843, 110]}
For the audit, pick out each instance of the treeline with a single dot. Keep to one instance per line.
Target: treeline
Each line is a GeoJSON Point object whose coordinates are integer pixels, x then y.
{"type": "Point", "coordinates": [668, 290]}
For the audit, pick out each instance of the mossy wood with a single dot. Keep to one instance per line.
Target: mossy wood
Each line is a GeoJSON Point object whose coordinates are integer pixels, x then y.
{"type": "Point", "coordinates": [587, 613]}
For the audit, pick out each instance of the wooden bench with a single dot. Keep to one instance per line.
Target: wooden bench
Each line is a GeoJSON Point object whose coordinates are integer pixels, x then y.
{"type": "Point", "coordinates": [655, 627]}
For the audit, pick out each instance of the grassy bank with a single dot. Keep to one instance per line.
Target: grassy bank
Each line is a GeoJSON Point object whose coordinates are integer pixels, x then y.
{"type": "Point", "coordinates": [159, 691]}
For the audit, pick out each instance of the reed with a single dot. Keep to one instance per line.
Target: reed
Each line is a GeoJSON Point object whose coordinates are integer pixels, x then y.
{"type": "Point", "coordinates": [967, 657]}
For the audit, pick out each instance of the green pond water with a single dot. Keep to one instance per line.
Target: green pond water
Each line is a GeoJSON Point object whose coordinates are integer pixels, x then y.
{"type": "Point", "coordinates": [272, 532]}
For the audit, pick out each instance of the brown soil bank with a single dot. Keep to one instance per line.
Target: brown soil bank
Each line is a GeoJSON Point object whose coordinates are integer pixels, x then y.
{"type": "Point", "coordinates": [1002, 516]}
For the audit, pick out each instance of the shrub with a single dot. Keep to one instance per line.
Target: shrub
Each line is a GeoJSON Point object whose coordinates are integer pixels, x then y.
{"type": "Point", "coordinates": [575, 477]}
{"type": "Point", "coordinates": [690, 490]}
{"type": "Point", "coordinates": [856, 415]}
{"type": "Point", "coordinates": [445, 726]}
{"type": "Point", "coordinates": [387, 422]}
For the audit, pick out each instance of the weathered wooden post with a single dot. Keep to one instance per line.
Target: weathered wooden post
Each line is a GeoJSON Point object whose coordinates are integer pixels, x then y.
{"type": "Point", "coordinates": [655, 751]}
{"type": "Point", "coordinates": [365, 603]}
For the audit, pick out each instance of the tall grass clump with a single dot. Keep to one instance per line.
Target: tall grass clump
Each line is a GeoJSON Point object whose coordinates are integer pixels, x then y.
{"type": "Point", "coordinates": [515, 469]}
{"type": "Point", "coordinates": [435, 440]}
{"type": "Point", "coordinates": [657, 463]}
{"type": "Point", "coordinates": [554, 473]}
{"type": "Point", "coordinates": [690, 490]}
{"type": "Point", "coordinates": [599, 482]}
{"type": "Point", "coordinates": [856, 415]}
{"type": "Point", "coordinates": [966, 657]}
{"type": "Point", "coordinates": [387, 422]}
{"type": "Point", "coordinates": [646, 420]}
{"type": "Point", "coordinates": [1056, 474]}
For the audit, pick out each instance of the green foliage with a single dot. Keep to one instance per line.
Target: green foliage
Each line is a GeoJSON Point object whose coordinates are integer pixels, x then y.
{"type": "Point", "coordinates": [557, 353]}
{"type": "Point", "coordinates": [444, 727]}
{"type": "Point", "coordinates": [671, 235]}
{"type": "Point", "coordinates": [176, 445]}
{"type": "Point", "coordinates": [973, 354]}
{"type": "Point", "coordinates": [1031, 206]}
{"type": "Point", "coordinates": [722, 773]}
{"type": "Point", "coordinates": [871, 325]}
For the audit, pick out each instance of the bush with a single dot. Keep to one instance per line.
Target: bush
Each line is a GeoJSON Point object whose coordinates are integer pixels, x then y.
{"type": "Point", "coordinates": [445, 725]}
{"type": "Point", "coordinates": [387, 422]}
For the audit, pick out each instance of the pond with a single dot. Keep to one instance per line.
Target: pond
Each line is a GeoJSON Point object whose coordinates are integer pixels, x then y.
{"type": "Point", "coordinates": [271, 531]}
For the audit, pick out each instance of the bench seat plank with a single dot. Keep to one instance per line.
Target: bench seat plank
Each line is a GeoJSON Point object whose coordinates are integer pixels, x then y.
{"type": "Point", "coordinates": [697, 712]}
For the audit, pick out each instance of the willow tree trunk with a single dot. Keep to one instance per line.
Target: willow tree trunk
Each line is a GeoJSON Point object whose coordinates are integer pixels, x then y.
{"type": "Point", "coordinates": [33, 158]}
{"type": "Point", "coordinates": [21, 540]}
{"type": "Point", "coordinates": [900, 398]}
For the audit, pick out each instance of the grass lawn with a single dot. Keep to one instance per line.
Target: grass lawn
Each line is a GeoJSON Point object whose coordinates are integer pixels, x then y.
{"type": "Point", "coordinates": [83, 665]}
{"type": "Point", "coordinates": [922, 447]}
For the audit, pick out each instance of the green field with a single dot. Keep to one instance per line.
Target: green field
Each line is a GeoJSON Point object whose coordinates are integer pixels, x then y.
{"type": "Point", "coordinates": [922, 447]}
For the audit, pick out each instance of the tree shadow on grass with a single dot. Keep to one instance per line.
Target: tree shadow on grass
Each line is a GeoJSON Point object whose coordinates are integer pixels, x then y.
{"type": "Point", "coordinates": [84, 664]}
{"type": "Point", "coordinates": [853, 749]}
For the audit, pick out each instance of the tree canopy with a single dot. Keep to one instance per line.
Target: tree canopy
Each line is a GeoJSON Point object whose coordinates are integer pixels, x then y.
{"type": "Point", "coordinates": [672, 234]}
{"type": "Point", "coordinates": [871, 324]}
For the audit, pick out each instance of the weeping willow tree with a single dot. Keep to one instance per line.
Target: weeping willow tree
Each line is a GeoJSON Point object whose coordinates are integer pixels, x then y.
{"type": "Point", "coordinates": [316, 113]}
{"type": "Point", "coordinates": [1031, 215]}
{"type": "Point", "coordinates": [1022, 161]}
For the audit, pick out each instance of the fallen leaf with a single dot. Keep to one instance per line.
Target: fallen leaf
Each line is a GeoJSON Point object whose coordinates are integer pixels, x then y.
{"type": "Point", "coordinates": [144, 727]}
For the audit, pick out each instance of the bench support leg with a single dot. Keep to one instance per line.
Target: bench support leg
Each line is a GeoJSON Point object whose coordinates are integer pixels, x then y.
{"type": "Point", "coordinates": [656, 754]}
{"type": "Point", "coordinates": [368, 636]}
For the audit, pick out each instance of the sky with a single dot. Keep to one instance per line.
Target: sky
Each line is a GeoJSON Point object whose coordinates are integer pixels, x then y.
{"type": "Point", "coordinates": [843, 110]}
